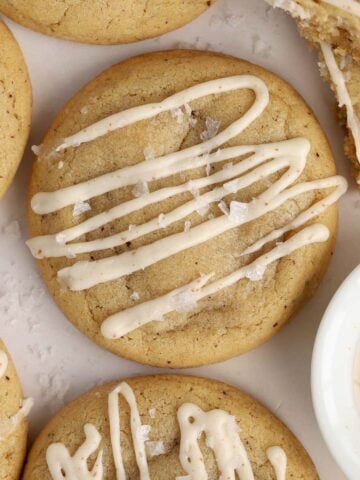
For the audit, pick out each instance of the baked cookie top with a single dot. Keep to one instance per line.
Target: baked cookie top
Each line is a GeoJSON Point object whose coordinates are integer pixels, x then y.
{"type": "Point", "coordinates": [15, 107]}
{"type": "Point", "coordinates": [13, 424]}
{"type": "Point", "coordinates": [190, 226]}
{"type": "Point", "coordinates": [114, 21]}
{"type": "Point", "coordinates": [167, 427]}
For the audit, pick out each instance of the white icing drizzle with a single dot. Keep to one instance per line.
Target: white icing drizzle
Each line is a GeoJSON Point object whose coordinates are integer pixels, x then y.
{"type": "Point", "coordinates": [222, 436]}
{"type": "Point", "coordinates": [343, 95]}
{"type": "Point", "coordinates": [123, 322]}
{"type": "Point", "coordinates": [3, 363]}
{"type": "Point", "coordinates": [277, 458]}
{"type": "Point", "coordinates": [63, 466]}
{"type": "Point", "coordinates": [220, 428]}
{"type": "Point", "coordinates": [8, 426]}
{"type": "Point", "coordinates": [115, 431]}
{"type": "Point", "coordinates": [349, 6]}
{"type": "Point", "coordinates": [261, 161]}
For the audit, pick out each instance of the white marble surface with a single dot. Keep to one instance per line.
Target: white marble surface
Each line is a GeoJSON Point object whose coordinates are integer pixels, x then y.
{"type": "Point", "coordinates": [55, 362]}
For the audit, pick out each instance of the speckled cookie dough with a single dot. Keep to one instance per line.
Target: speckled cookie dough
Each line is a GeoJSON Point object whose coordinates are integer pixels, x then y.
{"type": "Point", "coordinates": [163, 433]}
{"type": "Point", "coordinates": [13, 425]}
{"type": "Point", "coordinates": [234, 319]}
{"type": "Point", "coordinates": [15, 107]}
{"type": "Point", "coordinates": [114, 21]}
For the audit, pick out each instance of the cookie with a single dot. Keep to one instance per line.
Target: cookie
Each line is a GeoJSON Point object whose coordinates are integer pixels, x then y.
{"type": "Point", "coordinates": [15, 107]}
{"type": "Point", "coordinates": [13, 424]}
{"type": "Point", "coordinates": [99, 22]}
{"type": "Point", "coordinates": [165, 224]}
{"type": "Point", "coordinates": [333, 26]}
{"type": "Point", "coordinates": [167, 427]}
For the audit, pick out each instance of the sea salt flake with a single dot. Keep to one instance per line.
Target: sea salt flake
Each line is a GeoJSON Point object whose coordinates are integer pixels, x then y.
{"type": "Point", "coordinates": [60, 165]}
{"type": "Point", "coordinates": [152, 412]}
{"type": "Point", "coordinates": [178, 114]}
{"type": "Point", "coordinates": [135, 296]}
{"type": "Point", "coordinates": [224, 208]}
{"type": "Point", "coordinates": [141, 188]}
{"type": "Point", "coordinates": [212, 128]}
{"type": "Point", "coordinates": [238, 211]}
{"type": "Point", "coordinates": [202, 208]}
{"type": "Point", "coordinates": [184, 301]}
{"type": "Point", "coordinates": [187, 225]}
{"type": "Point", "coordinates": [188, 109]}
{"type": "Point", "coordinates": [80, 207]}
{"type": "Point", "coordinates": [155, 448]}
{"type": "Point", "coordinates": [255, 273]}
{"type": "Point", "coordinates": [36, 149]}
{"type": "Point", "coordinates": [12, 229]}
{"type": "Point", "coordinates": [208, 169]}
{"type": "Point", "coordinates": [131, 227]}
{"type": "Point", "coordinates": [149, 153]}
{"type": "Point", "coordinates": [143, 432]}
{"type": "Point", "coordinates": [192, 189]}
{"type": "Point", "coordinates": [161, 220]}
{"type": "Point", "coordinates": [84, 110]}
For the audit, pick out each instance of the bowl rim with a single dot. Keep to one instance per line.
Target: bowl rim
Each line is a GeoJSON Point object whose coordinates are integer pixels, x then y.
{"type": "Point", "coordinates": [336, 409]}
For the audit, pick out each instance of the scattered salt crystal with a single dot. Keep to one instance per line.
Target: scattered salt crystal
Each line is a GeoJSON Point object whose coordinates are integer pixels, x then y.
{"type": "Point", "coordinates": [161, 220]}
{"type": "Point", "coordinates": [12, 229]}
{"type": "Point", "coordinates": [141, 188]}
{"type": "Point", "coordinates": [224, 208]}
{"type": "Point", "coordinates": [152, 412]}
{"type": "Point", "coordinates": [60, 165]}
{"type": "Point", "coordinates": [255, 273]}
{"type": "Point", "coordinates": [143, 432]}
{"type": "Point", "coordinates": [178, 114]}
{"type": "Point", "coordinates": [193, 121]}
{"type": "Point", "coordinates": [36, 149]}
{"type": "Point", "coordinates": [238, 211]}
{"type": "Point", "coordinates": [188, 109]}
{"type": "Point", "coordinates": [202, 209]}
{"type": "Point", "coordinates": [212, 128]}
{"type": "Point", "coordinates": [155, 448]}
{"type": "Point", "coordinates": [135, 296]}
{"type": "Point", "coordinates": [187, 225]}
{"type": "Point", "coordinates": [60, 238]}
{"type": "Point", "coordinates": [131, 227]}
{"type": "Point", "coordinates": [192, 189]}
{"type": "Point", "coordinates": [207, 169]}
{"type": "Point", "coordinates": [322, 68]}
{"type": "Point", "coordinates": [149, 153]}
{"type": "Point", "coordinates": [84, 110]}
{"type": "Point", "coordinates": [80, 207]}
{"type": "Point", "coordinates": [183, 301]}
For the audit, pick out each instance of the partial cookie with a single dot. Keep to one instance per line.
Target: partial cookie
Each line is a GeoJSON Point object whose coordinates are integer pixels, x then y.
{"type": "Point", "coordinates": [334, 27]}
{"type": "Point", "coordinates": [15, 107]}
{"type": "Point", "coordinates": [114, 21]}
{"type": "Point", "coordinates": [167, 427]}
{"type": "Point", "coordinates": [171, 234]}
{"type": "Point", "coordinates": [13, 424]}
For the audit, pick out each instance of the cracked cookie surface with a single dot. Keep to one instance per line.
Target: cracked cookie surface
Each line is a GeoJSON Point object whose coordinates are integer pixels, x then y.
{"type": "Point", "coordinates": [15, 107]}
{"type": "Point", "coordinates": [110, 22]}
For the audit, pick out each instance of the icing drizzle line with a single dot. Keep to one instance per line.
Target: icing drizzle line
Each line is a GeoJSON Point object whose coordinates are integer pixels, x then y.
{"type": "Point", "coordinates": [260, 162]}
{"type": "Point", "coordinates": [8, 425]}
{"type": "Point", "coordinates": [343, 94]}
{"type": "Point", "coordinates": [220, 428]}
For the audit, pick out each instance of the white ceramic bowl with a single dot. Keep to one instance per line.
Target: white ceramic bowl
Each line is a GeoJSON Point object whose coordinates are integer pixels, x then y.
{"type": "Point", "coordinates": [332, 375]}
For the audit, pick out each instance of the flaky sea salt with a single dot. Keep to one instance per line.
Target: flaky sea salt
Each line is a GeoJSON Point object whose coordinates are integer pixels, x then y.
{"type": "Point", "coordinates": [212, 128]}
{"type": "Point", "coordinates": [152, 412]}
{"type": "Point", "coordinates": [238, 211]}
{"type": "Point", "coordinates": [143, 432]}
{"type": "Point", "coordinates": [149, 153]}
{"type": "Point", "coordinates": [162, 220]}
{"type": "Point", "coordinates": [202, 208]}
{"type": "Point", "coordinates": [183, 301]}
{"type": "Point", "coordinates": [60, 165]}
{"type": "Point", "coordinates": [84, 110]}
{"type": "Point", "coordinates": [255, 273]}
{"type": "Point", "coordinates": [178, 114]}
{"type": "Point", "coordinates": [12, 229]}
{"type": "Point", "coordinates": [155, 448]}
{"type": "Point", "coordinates": [192, 189]}
{"type": "Point", "coordinates": [135, 296]}
{"type": "Point", "coordinates": [141, 188]}
{"type": "Point", "coordinates": [36, 149]}
{"type": "Point", "coordinates": [81, 207]}
{"type": "Point", "coordinates": [224, 208]}
{"type": "Point", "coordinates": [187, 225]}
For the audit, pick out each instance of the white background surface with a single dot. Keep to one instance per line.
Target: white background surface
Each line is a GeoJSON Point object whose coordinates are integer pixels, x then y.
{"type": "Point", "coordinates": [55, 362]}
